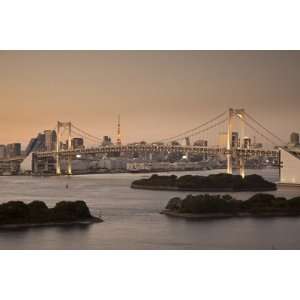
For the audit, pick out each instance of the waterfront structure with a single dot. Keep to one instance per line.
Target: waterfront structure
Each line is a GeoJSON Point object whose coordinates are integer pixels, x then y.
{"type": "Point", "coordinates": [112, 164]}
{"type": "Point", "coordinates": [138, 166]}
{"type": "Point", "coordinates": [290, 166]}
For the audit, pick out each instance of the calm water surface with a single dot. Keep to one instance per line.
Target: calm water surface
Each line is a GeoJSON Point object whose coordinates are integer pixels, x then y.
{"type": "Point", "coordinates": [132, 219]}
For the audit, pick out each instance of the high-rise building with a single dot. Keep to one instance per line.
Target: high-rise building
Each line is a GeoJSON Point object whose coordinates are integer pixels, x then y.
{"type": "Point", "coordinates": [235, 140]}
{"type": "Point", "coordinates": [50, 140]}
{"type": "Point", "coordinates": [2, 151]}
{"type": "Point", "coordinates": [13, 150]}
{"type": "Point", "coordinates": [294, 138]}
{"type": "Point", "coordinates": [246, 143]}
{"type": "Point", "coordinates": [77, 143]}
{"type": "Point", "coordinates": [106, 141]}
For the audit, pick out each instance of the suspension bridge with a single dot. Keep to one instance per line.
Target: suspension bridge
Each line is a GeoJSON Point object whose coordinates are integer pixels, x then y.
{"type": "Point", "coordinates": [231, 149]}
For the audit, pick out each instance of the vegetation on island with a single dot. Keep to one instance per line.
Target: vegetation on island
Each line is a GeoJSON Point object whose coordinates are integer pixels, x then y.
{"type": "Point", "coordinates": [215, 182]}
{"type": "Point", "coordinates": [257, 205]}
{"type": "Point", "coordinates": [37, 212]}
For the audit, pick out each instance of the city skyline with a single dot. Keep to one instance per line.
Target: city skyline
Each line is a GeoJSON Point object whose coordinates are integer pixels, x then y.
{"type": "Point", "coordinates": [154, 89]}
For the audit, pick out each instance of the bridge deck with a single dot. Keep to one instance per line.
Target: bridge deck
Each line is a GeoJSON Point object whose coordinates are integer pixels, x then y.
{"type": "Point", "coordinates": [156, 149]}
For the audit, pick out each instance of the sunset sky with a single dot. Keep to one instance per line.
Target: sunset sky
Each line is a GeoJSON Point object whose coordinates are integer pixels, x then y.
{"type": "Point", "coordinates": [157, 93]}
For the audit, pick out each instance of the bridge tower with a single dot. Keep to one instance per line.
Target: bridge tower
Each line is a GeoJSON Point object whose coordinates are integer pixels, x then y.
{"type": "Point", "coordinates": [229, 141]}
{"type": "Point", "coordinates": [240, 113]}
{"type": "Point", "coordinates": [60, 126]}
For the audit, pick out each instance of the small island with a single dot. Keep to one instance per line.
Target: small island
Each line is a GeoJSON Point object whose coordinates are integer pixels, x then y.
{"type": "Point", "coordinates": [212, 183]}
{"type": "Point", "coordinates": [16, 214]}
{"type": "Point", "coordinates": [216, 206]}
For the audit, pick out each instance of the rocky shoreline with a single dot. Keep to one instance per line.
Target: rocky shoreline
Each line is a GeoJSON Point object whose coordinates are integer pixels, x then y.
{"type": "Point", "coordinates": [202, 190]}
{"type": "Point", "coordinates": [206, 216]}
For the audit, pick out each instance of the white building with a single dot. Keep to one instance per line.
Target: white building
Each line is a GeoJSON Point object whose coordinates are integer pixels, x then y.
{"type": "Point", "coordinates": [290, 171]}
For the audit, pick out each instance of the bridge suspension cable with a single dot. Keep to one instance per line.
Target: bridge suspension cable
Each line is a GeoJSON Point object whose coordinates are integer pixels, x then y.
{"type": "Point", "coordinates": [257, 131]}
{"type": "Point", "coordinates": [86, 137]}
{"type": "Point", "coordinates": [208, 128]}
{"type": "Point", "coordinates": [204, 130]}
{"type": "Point", "coordinates": [263, 127]}
{"type": "Point", "coordinates": [186, 133]}
{"type": "Point", "coordinates": [85, 133]}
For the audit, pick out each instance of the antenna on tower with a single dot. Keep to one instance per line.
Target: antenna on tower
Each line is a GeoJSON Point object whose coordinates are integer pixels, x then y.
{"type": "Point", "coordinates": [119, 142]}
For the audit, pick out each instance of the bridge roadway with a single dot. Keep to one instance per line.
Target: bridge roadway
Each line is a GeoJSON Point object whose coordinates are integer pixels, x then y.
{"type": "Point", "coordinates": [157, 149]}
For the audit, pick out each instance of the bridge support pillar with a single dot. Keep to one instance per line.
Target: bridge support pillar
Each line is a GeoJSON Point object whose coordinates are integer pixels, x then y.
{"type": "Point", "coordinates": [242, 167]}
{"type": "Point", "coordinates": [187, 155]}
{"type": "Point", "coordinates": [58, 167]}
{"type": "Point", "coordinates": [229, 142]}
{"type": "Point", "coordinates": [34, 164]}
{"type": "Point", "coordinates": [150, 156]}
{"type": "Point", "coordinates": [229, 163]}
{"type": "Point", "coordinates": [69, 148]}
{"type": "Point", "coordinates": [69, 165]}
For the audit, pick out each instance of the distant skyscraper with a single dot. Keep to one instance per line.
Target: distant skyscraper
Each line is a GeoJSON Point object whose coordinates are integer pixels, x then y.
{"type": "Point", "coordinates": [119, 141]}
{"type": "Point", "coordinates": [247, 143]}
{"type": "Point", "coordinates": [294, 139]}
{"type": "Point", "coordinates": [50, 140]}
{"type": "Point", "coordinates": [13, 150]}
{"type": "Point", "coordinates": [235, 140]}
{"type": "Point", "coordinates": [2, 151]}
